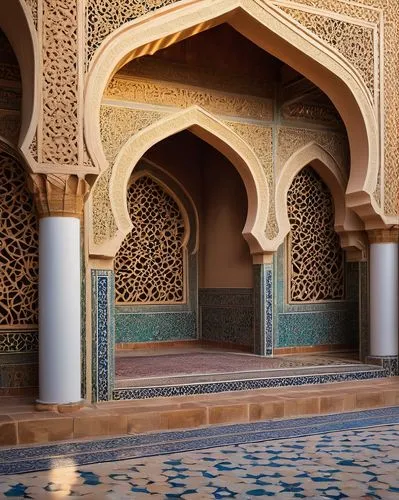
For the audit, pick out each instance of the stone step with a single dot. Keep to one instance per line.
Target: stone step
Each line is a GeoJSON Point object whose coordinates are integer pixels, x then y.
{"type": "Point", "coordinates": [20, 424]}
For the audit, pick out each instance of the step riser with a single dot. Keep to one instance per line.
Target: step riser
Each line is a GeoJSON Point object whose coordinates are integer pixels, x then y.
{"type": "Point", "coordinates": [123, 418]}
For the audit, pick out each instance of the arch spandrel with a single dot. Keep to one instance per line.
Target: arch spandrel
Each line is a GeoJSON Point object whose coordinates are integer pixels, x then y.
{"type": "Point", "coordinates": [271, 29]}
{"type": "Point", "coordinates": [322, 162]}
{"type": "Point", "coordinates": [215, 133]}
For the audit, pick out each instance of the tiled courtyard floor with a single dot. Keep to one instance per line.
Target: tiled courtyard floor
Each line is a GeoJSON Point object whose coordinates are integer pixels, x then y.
{"type": "Point", "coordinates": [357, 463]}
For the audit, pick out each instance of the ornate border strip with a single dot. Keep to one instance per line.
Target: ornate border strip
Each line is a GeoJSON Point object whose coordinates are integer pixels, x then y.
{"type": "Point", "coordinates": [28, 459]}
{"type": "Point", "coordinates": [263, 309]}
{"type": "Point", "coordinates": [19, 341]}
{"type": "Point", "coordinates": [245, 385]}
{"type": "Point", "coordinates": [103, 334]}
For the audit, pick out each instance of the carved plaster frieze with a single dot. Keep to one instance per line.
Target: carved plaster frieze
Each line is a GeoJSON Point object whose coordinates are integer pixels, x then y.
{"type": "Point", "coordinates": [58, 194]}
{"type": "Point", "coordinates": [317, 113]}
{"type": "Point", "coordinates": [386, 235]}
{"type": "Point", "coordinates": [182, 96]}
{"type": "Point", "coordinates": [290, 140]}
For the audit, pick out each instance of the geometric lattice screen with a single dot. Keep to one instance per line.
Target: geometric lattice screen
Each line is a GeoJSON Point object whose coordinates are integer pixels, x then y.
{"type": "Point", "coordinates": [149, 266]}
{"type": "Point", "coordinates": [316, 260]}
{"type": "Point", "coordinates": [18, 247]}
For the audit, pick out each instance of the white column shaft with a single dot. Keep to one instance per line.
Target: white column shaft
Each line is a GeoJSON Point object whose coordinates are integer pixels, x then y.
{"type": "Point", "coordinates": [384, 295]}
{"type": "Point", "coordinates": [59, 310]}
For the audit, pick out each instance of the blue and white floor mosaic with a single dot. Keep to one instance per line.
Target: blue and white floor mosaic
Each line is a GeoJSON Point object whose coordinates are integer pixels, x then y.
{"type": "Point", "coordinates": [295, 459]}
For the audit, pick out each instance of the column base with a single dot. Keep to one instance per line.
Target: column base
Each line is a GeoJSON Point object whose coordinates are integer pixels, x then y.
{"type": "Point", "coordinates": [60, 408]}
{"type": "Point", "coordinates": [389, 363]}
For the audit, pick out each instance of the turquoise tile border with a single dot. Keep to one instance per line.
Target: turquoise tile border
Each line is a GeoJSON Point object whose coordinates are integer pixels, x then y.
{"type": "Point", "coordinates": [263, 309]}
{"type": "Point", "coordinates": [103, 335]}
{"type": "Point", "coordinates": [155, 327]}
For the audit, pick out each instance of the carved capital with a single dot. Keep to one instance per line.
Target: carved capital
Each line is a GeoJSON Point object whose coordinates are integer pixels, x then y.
{"type": "Point", "coordinates": [58, 195]}
{"type": "Point", "coordinates": [385, 235]}
{"type": "Point", "coordinates": [355, 245]}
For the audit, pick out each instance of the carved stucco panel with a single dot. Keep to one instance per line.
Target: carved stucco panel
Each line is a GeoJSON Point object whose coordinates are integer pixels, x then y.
{"type": "Point", "coordinates": [354, 42]}
{"type": "Point", "coordinates": [106, 16]}
{"type": "Point", "coordinates": [60, 64]}
{"type": "Point", "coordinates": [260, 139]}
{"type": "Point", "coordinates": [117, 125]}
{"type": "Point", "coordinates": [292, 139]}
{"type": "Point", "coordinates": [173, 94]}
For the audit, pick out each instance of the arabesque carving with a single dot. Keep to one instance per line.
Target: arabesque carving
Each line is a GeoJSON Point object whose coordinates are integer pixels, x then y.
{"type": "Point", "coordinates": [292, 139]}
{"type": "Point", "coordinates": [106, 16]}
{"type": "Point", "coordinates": [353, 41]}
{"type": "Point", "coordinates": [260, 139]}
{"type": "Point", "coordinates": [316, 264]}
{"type": "Point", "coordinates": [326, 115]}
{"type": "Point", "coordinates": [149, 265]}
{"type": "Point", "coordinates": [60, 82]}
{"type": "Point", "coordinates": [117, 125]}
{"type": "Point", "coordinates": [156, 68]}
{"type": "Point", "coordinates": [19, 257]}
{"type": "Point", "coordinates": [58, 194]}
{"type": "Point", "coordinates": [177, 95]}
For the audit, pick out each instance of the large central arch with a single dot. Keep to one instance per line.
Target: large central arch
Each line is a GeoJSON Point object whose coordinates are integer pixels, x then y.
{"type": "Point", "coordinates": [269, 28]}
{"type": "Point", "coordinates": [215, 133]}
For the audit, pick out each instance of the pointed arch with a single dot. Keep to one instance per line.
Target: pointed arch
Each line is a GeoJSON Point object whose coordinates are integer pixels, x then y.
{"type": "Point", "coordinates": [268, 27]}
{"type": "Point", "coordinates": [209, 129]}
{"type": "Point", "coordinates": [17, 24]}
{"type": "Point", "coordinates": [324, 164]}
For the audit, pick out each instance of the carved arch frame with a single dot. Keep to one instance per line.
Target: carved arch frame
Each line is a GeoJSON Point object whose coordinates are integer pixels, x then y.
{"type": "Point", "coordinates": [346, 221]}
{"type": "Point", "coordinates": [17, 23]}
{"type": "Point", "coordinates": [217, 134]}
{"type": "Point", "coordinates": [285, 39]}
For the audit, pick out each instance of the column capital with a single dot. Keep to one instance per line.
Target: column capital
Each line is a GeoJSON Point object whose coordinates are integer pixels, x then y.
{"type": "Point", "coordinates": [58, 195]}
{"type": "Point", "coordinates": [384, 235]}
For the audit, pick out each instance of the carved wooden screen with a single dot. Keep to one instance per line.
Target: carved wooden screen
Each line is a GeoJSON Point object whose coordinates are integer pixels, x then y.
{"type": "Point", "coordinates": [315, 258]}
{"type": "Point", "coordinates": [149, 266]}
{"type": "Point", "coordinates": [19, 248]}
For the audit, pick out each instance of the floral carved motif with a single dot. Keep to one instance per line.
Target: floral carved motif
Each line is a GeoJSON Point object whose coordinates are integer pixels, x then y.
{"type": "Point", "coordinates": [19, 247]}
{"type": "Point", "coordinates": [173, 94]}
{"type": "Point", "coordinates": [149, 264]}
{"type": "Point", "coordinates": [316, 259]}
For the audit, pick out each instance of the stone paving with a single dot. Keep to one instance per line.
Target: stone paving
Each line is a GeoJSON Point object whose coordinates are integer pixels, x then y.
{"type": "Point", "coordinates": [358, 464]}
